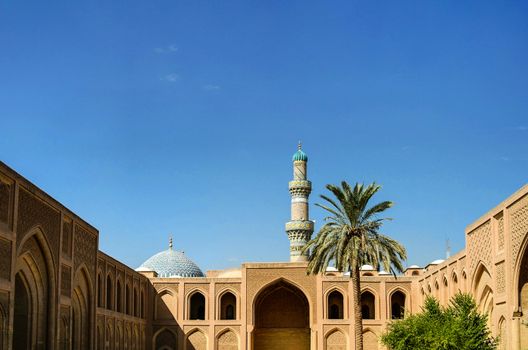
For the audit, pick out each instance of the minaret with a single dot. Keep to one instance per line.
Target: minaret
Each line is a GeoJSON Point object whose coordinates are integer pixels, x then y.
{"type": "Point", "coordinates": [300, 228]}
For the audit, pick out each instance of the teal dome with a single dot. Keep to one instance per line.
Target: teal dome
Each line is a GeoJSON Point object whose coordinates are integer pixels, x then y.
{"type": "Point", "coordinates": [171, 263]}
{"type": "Point", "coordinates": [300, 155]}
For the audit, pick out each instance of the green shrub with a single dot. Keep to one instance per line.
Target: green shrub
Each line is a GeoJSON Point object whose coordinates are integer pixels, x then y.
{"type": "Point", "coordinates": [458, 326]}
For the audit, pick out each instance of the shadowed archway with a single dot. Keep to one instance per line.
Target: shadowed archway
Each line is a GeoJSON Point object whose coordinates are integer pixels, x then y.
{"type": "Point", "coordinates": [281, 318]}
{"type": "Point", "coordinates": [33, 322]}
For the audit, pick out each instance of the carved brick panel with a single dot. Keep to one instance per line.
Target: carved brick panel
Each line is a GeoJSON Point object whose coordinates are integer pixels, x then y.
{"type": "Point", "coordinates": [500, 231]}
{"type": "Point", "coordinates": [519, 226]}
{"type": "Point", "coordinates": [32, 212]}
{"type": "Point", "coordinates": [501, 278]}
{"type": "Point", "coordinates": [65, 280]}
{"type": "Point", "coordinates": [6, 200]}
{"type": "Point", "coordinates": [479, 246]}
{"type": "Point", "coordinates": [67, 229]}
{"type": "Point", "coordinates": [85, 250]}
{"type": "Point", "coordinates": [5, 259]}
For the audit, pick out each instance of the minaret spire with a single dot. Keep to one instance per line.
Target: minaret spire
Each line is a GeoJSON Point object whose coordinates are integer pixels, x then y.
{"type": "Point", "coordinates": [170, 242]}
{"type": "Point", "coordinates": [300, 227]}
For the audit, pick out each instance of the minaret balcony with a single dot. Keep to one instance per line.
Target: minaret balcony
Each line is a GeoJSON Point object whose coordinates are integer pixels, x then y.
{"type": "Point", "coordinates": [300, 225]}
{"type": "Point", "coordinates": [300, 187]}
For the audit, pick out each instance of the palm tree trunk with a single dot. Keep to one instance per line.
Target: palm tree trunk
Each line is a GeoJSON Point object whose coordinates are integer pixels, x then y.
{"type": "Point", "coordinates": [356, 302]}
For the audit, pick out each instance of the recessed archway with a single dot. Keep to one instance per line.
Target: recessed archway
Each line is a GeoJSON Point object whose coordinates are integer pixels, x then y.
{"type": "Point", "coordinates": [228, 303]}
{"type": "Point", "coordinates": [197, 306]}
{"type": "Point", "coordinates": [81, 306]}
{"type": "Point", "coordinates": [397, 304]}
{"type": "Point", "coordinates": [335, 305]}
{"type": "Point", "coordinates": [368, 305]}
{"type": "Point", "coordinates": [282, 316]}
{"type": "Point", "coordinates": [33, 323]}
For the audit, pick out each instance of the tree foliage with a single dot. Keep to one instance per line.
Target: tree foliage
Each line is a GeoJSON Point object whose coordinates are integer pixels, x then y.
{"type": "Point", "coordinates": [459, 326]}
{"type": "Point", "coordinates": [351, 238]}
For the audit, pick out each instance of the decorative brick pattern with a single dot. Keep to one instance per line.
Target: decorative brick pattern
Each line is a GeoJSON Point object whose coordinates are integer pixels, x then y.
{"type": "Point", "coordinates": [65, 280]}
{"type": "Point", "coordinates": [85, 250]}
{"type": "Point", "coordinates": [219, 287]}
{"type": "Point", "coordinates": [67, 228]}
{"type": "Point", "coordinates": [519, 226]}
{"type": "Point", "coordinates": [203, 287]}
{"type": "Point", "coordinates": [500, 231]}
{"type": "Point", "coordinates": [5, 259]}
{"type": "Point", "coordinates": [228, 341]}
{"type": "Point", "coordinates": [196, 341]}
{"type": "Point", "coordinates": [32, 212]}
{"type": "Point", "coordinates": [336, 341]}
{"type": "Point", "coordinates": [6, 198]}
{"type": "Point", "coordinates": [479, 246]}
{"type": "Point", "coordinates": [501, 278]}
{"type": "Point", "coordinates": [258, 278]}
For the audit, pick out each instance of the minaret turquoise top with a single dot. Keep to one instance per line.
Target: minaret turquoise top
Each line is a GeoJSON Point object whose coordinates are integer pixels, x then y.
{"type": "Point", "coordinates": [300, 155]}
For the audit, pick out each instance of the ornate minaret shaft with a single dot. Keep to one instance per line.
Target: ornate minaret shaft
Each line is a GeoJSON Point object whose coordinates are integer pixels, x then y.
{"type": "Point", "coordinates": [300, 228]}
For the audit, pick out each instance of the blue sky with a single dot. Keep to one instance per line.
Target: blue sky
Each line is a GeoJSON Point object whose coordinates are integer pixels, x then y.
{"type": "Point", "coordinates": [155, 117]}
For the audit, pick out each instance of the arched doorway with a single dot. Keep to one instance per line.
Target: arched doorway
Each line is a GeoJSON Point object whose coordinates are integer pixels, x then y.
{"type": "Point", "coordinates": [523, 297]}
{"type": "Point", "coordinates": [81, 321]}
{"type": "Point", "coordinates": [34, 295]}
{"type": "Point", "coordinates": [281, 318]}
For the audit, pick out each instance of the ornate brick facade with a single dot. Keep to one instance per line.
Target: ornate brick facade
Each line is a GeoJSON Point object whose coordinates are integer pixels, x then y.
{"type": "Point", "coordinates": [124, 309]}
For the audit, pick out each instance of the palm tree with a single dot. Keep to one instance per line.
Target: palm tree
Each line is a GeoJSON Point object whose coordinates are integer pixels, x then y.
{"type": "Point", "coordinates": [350, 237]}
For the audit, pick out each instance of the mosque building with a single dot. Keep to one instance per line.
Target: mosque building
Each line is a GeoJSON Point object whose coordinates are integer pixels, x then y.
{"type": "Point", "coordinates": [59, 291]}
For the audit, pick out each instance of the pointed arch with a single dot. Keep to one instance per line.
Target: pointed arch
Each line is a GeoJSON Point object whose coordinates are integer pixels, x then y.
{"type": "Point", "coordinates": [109, 292]}
{"type": "Point", "coordinates": [82, 310]}
{"type": "Point", "coordinates": [368, 304]}
{"type": "Point", "coordinates": [281, 316]}
{"type": "Point", "coordinates": [35, 272]}
{"type": "Point", "coordinates": [100, 289]}
{"type": "Point", "coordinates": [196, 339]}
{"type": "Point", "coordinates": [503, 335]}
{"type": "Point", "coordinates": [397, 301]}
{"type": "Point", "coordinates": [165, 305]}
{"type": "Point", "coordinates": [227, 339]}
{"type": "Point", "coordinates": [119, 296]}
{"type": "Point", "coordinates": [455, 288]}
{"type": "Point", "coordinates": [227, 301]}
{"type": "Point", "coordinates": [196, 302]}
{"type": "Point", "coordinates": [335, 339]}
{"type": "Point", "coordinates": [335, 302]}
{"type": "Point", "coordinates": [165, 339]}
{"type": "Point", "coordinates": [370, 338]}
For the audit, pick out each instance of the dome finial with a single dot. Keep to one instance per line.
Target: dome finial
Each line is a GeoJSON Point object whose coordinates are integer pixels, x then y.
{"type": "Point", "coordinates": [300, 155]}
{"type": "Point", "coordinates": [170, 242]}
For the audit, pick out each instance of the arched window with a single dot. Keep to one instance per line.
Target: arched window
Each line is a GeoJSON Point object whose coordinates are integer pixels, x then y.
{"type": "Point", "coordinates": [397, 305]}
{"type": "Point", "coordinates": [109, 293]}
{"type": "Point", "coordinates": [128, 309]}
{"type": "Point", "coordinates": [142, 306]}
{"type": "Point", "coordinates": [228, 306]}
{"type": "Point", "coordinates": [197, 307]}
{"type": "Point", "coordinates": [136, 303]}
{"type": "Point", "coordinates": [335, 305]}
{"type": "Point", "coordinates": [100, 290]}
{"type": "Point", "coordinates": [119, 295]}
{"type": "Point", "coordinates": [415, 273]}
{"type": "Point", "coordinates": [368, 305]}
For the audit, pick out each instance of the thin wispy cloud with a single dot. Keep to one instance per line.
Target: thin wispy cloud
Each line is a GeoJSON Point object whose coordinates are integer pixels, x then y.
{"type": "Point", "coordinates": [166, 49]}
{"type": "Point", "coordinates": [505, 159]}
{"type": "Point", "coordinates": [171, 78]}
{"type": "Point", "coordinates": [211, 87]}
{"type": "Point", "coordinates": [522, 128]}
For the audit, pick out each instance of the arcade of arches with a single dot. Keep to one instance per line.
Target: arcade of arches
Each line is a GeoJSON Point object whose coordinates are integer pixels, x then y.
{"type": "Point", "coordinates": [58, 291]}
